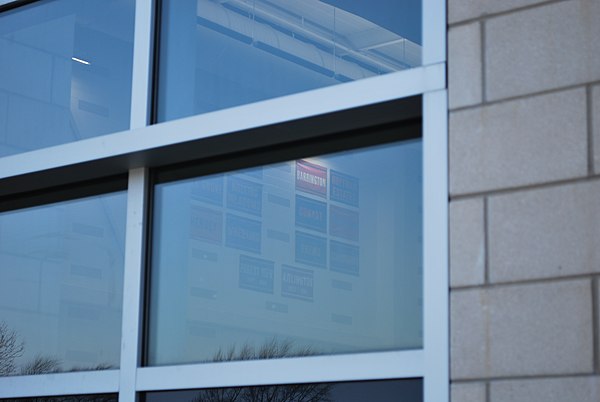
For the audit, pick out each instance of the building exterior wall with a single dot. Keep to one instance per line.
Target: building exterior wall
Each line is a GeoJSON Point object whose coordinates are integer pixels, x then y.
{"type": "Point", "coordinates": [524, 164]}
{"type": "Point", "coordinates": [414, 99]}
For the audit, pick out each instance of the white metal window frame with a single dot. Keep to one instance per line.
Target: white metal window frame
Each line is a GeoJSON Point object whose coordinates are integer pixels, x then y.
{"type": "Point", "coordinates": [128, 149]}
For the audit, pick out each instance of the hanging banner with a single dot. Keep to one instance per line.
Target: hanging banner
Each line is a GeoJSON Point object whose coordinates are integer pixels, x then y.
{"type": "Point", "coordinates": [311, 178]}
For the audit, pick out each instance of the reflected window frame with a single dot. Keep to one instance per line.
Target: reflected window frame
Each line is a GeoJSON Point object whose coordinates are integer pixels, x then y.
{"type": "Point", "coordinates": [233, 132]}
{"type": "Point", "coordinates": [406, 131]}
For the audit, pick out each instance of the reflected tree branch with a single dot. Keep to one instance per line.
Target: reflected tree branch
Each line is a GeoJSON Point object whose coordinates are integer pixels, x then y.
{"type": "Point", "coordinates": [10, 349]}
{"type": "Point", "coordinates": [271, 349]}
{"type": "Point", "coordinates": [41, 365]}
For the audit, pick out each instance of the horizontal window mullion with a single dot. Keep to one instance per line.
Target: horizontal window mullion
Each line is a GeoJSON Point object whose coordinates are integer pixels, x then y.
{"type": "Point", "coordinates": [136, 144]}
{"type": "Point", "coordinates": [364, 366]}
{"type": "Point", "coordinates": [93, 382]}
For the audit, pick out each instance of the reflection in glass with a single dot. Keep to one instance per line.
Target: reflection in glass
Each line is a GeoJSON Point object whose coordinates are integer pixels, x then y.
{"type": "Point", "coordinates": [314, 256]}
{"type": "Point", "coordinates": [65, 72]}
{"type": "Point", "coordinates": [219, 54]}
{"type": "Point", "coordinates": [62, 284]}
{"type": "Point", "coordinates": [69, 398]}
{"type": "Point", "coordinates": [359, 391]}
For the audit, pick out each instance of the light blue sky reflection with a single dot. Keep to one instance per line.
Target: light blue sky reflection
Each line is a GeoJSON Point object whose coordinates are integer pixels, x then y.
{"type": "Point", "coordinates": [62, 283]}
{"type": "Point", "coordinates": [48, 98]}
{"type": "Point", "coordinates": [318, 256]}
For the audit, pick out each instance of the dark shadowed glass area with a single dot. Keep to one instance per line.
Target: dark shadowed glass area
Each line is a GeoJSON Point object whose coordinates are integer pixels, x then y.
{"type": "Point", "coordinates": [62, 286]}
{"type": "Point", "coordinates": [65, 72]}
{"type": "Point", "coordinates": [69, 398]}
{"type": "Point", "coordinates": [219, 54]}
{"type": "Point", "coordinates": [320, 255]}
{"type": "Point", "coordinates": [410, 390]}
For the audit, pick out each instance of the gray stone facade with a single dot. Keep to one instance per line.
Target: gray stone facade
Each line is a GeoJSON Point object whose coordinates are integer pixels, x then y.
{"type": "Point", "coordinates": [524, 150]}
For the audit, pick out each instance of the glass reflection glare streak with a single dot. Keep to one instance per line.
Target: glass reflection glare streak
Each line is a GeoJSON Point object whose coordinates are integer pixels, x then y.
{"type": "Point", "coordinates": [62, 284]}
{"type": "Point", "coordinates": [219, 54]}
{"type": "Point", "coordinates": [65, 72]}
{"type": "Point", "coordinates": [315, 256]}
{"type": "Point", "coordinates": [410, 390]}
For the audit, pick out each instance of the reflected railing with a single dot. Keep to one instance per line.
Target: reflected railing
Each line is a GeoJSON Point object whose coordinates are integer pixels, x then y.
{"type": "Point", "coordinates": [314, 34]}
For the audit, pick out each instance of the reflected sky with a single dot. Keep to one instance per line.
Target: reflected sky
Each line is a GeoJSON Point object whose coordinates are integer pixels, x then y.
{"type": "Point", "coordinates": [314, 256]}
{"type": "Point", "coordinates": [65, 73]}
{"type": "Point", "coordinates": [219, 54]}
{"type": "Point", "coordinates": [62, 285]}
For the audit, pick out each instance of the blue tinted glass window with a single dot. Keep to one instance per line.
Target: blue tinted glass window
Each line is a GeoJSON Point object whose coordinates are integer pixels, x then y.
{"type": "Point", "coordinates": [65, 72]}
{"type": "Point", "coordinates": [219, 54]}
{"type": "Point", "coordinates": [319, 255]}
{"type": "Point", "coordinates": [61, 291]}
{"type": "Point", "coordinates": [410, 390]}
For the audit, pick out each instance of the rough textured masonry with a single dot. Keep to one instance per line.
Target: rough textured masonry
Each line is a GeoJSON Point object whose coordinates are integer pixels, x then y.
{"type": "Point", "coordinates": [524, 96]}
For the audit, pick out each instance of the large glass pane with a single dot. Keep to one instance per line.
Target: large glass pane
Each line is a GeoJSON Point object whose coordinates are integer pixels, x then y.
{"type": "Point", "coordinates": [61, 287]}
{"type": "Point", "coordinates": [314, 256]}
{"type": "Point", "coordinates": [359, 391]}
{"type": "Point", "coordinates": [219, 54]}
{"type": "Point", "coordinates": [65, 72]}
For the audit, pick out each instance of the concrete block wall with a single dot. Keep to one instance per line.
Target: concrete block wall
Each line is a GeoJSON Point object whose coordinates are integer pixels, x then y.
{"type": "Point", "coordinates": [524, 97]}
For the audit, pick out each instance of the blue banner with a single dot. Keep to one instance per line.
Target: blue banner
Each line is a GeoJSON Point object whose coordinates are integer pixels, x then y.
{"type": "Point", "coordinates": [343, 258]}
{"type": "Point", "coordinates": [344, 188]}
{"type": "Point", "coordinates": [242, 233]}
{"type": "Point", "coordinates": [297, 283]}
{"type": "Point", "coordinates": [256, 274]}
{"type": "Point", "coordinates": [208, 189]}
{"type": "Point", "coordinates": [311, 214]}
{"type": "Point", "coordinates": [206, 225]}
{"type": "Point", "coordinates": [343, 223]}
{"type": "Point", "coordinates": [244, 195]}
{"type": "Point", "coordinates": [311, 250]}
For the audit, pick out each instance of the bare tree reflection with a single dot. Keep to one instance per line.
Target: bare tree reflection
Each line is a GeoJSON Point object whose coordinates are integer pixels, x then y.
{"type": "Point", "coordinates": [101, 366]}
{"type": "Point", "coordinates": [10, 349]}
{"type": "Point", "coordinates": [272, 349]}
{"type": "Point", "coordinates": [41, 365]}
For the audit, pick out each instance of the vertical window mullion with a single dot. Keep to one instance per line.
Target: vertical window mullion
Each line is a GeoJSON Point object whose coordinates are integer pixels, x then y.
{"type": "Point", "coordinates": [142, 63]}
{"type": "Point", "coordinates": [435, 246]}
{"type": "Point", "coordinates": [133, 282]}
{"type": "Point", "coordinates": [434, 31]}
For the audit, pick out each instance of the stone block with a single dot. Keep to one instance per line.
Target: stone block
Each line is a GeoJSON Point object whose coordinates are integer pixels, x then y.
{"type": "Point", "coordinates": [464, 65]}
{"type": "Point", "coordinates": [467, 392]}
{"type": "Point", "coordinates": [522, 330]}
{"type": "Point", "coordinates": [597, 329]}
{"type": "Point", "coordinates": [596, 126]}
{"type": "Point", "coordinates": [542, 48]}
{"type": "Point", "coordinates": [468, 333]}
{"type": "Point", "coordinates": [467, 245]}
{"type": "Point", "coordinates": [580, 389]}
{"type": "Point", "coordinates": [460, 10]}
{"type": "Point", "coordinates": [520, 142]}
{"type": "Point", "coordinates": [543, 233]}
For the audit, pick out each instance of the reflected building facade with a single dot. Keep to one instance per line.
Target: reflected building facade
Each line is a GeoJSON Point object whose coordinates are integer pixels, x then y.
{"type": "Point", "coordinates": [219, 200]}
